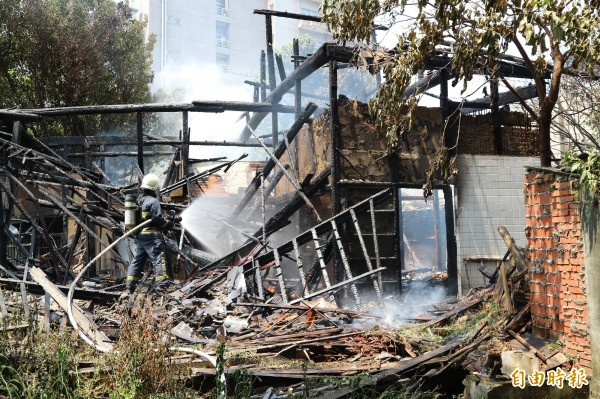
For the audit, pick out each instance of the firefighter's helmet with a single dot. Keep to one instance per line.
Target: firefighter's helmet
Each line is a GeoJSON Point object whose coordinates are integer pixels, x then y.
{"type": "Point", "coordinates": [150, 182]}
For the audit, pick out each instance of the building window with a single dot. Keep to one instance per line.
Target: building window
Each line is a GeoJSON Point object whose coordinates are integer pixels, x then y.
{"type": "Point", "coordinates": [308, 11]}
{"type": "Point", "coordinates": [223, 62]}
{"type": "Point", "coordinates": [222, 34]}
{"type": "Point", "coordinates": [222, 7]}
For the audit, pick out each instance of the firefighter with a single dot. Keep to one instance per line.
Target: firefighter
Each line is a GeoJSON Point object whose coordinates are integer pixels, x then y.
{"type": "Point", "coordinates": [150, 243]}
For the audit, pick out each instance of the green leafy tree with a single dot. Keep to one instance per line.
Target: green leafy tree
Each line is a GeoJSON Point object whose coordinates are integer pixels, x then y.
{"type": "Point", "coordinates": [556, 35]}
{"type": "Point", "coordinates": [60, 53]}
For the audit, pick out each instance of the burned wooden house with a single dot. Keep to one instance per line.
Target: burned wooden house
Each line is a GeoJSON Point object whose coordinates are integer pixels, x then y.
{"type": "Point", "coordinates": [354, 210]}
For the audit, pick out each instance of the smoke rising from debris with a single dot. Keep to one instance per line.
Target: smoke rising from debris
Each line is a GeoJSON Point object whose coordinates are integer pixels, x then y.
{"type": "Point", "coordinates": [417, 299]}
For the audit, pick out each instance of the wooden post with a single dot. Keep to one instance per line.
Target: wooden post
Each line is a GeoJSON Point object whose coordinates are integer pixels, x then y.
{"type": "Point", "coordinates": [338, 271]}
{"type": "Point", "coordinates": [185, 147]}
{"type": "Point", "coordinates": [272, 81]}
{"type": "Point", "coordinates": [450, 242]}
{"type": "Point", "coordinates": [140, 141]}
{"type": "Point", "coordinates": [497, 126]}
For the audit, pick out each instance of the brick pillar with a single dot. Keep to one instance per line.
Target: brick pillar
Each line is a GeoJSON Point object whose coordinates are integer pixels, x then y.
{"type": "Point", "coordinates": [555, 251]}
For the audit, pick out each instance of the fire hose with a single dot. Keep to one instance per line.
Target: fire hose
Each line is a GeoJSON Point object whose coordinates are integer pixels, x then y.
{"type": "Point", "coordinates": [90, 341]}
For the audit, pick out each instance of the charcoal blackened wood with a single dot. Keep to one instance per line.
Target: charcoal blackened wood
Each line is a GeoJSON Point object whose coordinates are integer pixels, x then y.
{"type": "Point", "coordinates": [43, 232]}
{"type": "Point", "coordinates": [140, 140]}
{"type": "Point", "coordinates": [336, 286]}
{"type": "Point", "coordinates": [272, 82]}
{"type": "Point", "coordinates": [109, 154]}
{"type": "Point", "coordinates": [366, 255]}
{"type": "Point", "coordinates": [98, 296]}
{"type": "Point", "coordinates": [185, 146]}
{"type": "Point", "coordinates": [334, 132]}
{"type": "Point", "coordinates": [263, 76]}
{"type": "Point", "coordinates": [317, 60]}
{"type": "Point", "coordinates": [58, 203]}
{"type": "Point", "coordinates": [278, 152]}
{"type": "Point", "coordinates": [285, 14]}
{"type": "Point", "coordinates": [279, 220]}
{"type": "Point", "coordinates": [298, 88]}
{"type": "Point", "coordinates": [71, 250]}
{"type": "Point", "coordinates": [280, 66]}
{"type": "Point", "coordinates": [450, 241]}
{"type": "Point", "coordinates": [16, 115]}
{"type": "Point", "coordinates": [510, 243]}
{"type": "Point", "coordinates": [61, 141]}
{"type": "Point", "coordinates": [3, 228]}
{"type": "Point", "coordinates": [497, 125]}
{"type": "Point", "coordinates": [195, 106]}
{"type": "Point", "coordinates": [87, 326]}
{"type": "Point", "coordinates": [404, 367]}
{"type": "Point", "coordinates": [314, 274]}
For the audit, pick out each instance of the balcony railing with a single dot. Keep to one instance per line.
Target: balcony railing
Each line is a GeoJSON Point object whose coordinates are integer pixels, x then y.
{"type": "Point", "coordinates": [239, 71]}
{"type": "Point", "coordinates": [222, 42]}
{"type": "Point", "coordinates": [223, 11]}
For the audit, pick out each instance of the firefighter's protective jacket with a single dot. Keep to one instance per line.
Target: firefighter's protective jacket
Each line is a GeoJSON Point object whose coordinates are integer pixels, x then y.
{"type": "Point", "coordinates": [150, 209]}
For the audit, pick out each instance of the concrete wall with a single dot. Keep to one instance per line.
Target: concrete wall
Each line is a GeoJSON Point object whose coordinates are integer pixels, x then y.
{"type": "Point", "coordinates": [489, 193]}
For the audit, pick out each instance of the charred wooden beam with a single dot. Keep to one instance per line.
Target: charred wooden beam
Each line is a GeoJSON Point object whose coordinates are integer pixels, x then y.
{"type": "Point", "coordinates": [298, 88]}
{"type": "Point", "coordinates": [313, 63]}
{"type": "Point", "coordinates": [525, 92]}
{"type": "Point", "coordinates": [195, 106]}
{"type": "Point", "coordinates": [280, 219]}
{"type": "Point", "coordinates": [424, 84]}
{"type": "Point", "coordinates": [109, 154]}
{"type": "Point", "coordinates": [323, 227]}
{"type": "Point", "coordinates": [140, 140]}
{"type": "Point", "coordinates": [263, 76]}
{"type": "Point", "coordinates": [43, 232]}
{"type": "Point", "coordinates": [80, 293]}
{"type": "Point", "coordinates": [278, 152]}
{"type": "Point", "coordinates": [58, 203]}
{"type": "Point", "coordinates": [59, 141]}
{"type": "Point", "coordinates": [293, 92]}
{"type": "Point", "coordinates": [201, 175]}
{"type": "Point", "coordinates": [334, 132]}
{"type": "Point", "coordinates": [285, 14]}
{"type": "Point", "coordinates": [185, 146]}
{"type": "Point", "coordinates": [70, 181]}
{"type": "Point", "coordinates": [16, 115]}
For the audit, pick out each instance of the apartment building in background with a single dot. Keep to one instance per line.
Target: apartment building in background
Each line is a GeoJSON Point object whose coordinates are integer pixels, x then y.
{"type": "Point", "coordinates": [225, 33]}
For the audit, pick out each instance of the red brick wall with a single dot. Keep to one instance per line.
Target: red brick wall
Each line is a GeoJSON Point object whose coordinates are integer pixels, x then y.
{"type": "Point", "coordinates": [555, 252]}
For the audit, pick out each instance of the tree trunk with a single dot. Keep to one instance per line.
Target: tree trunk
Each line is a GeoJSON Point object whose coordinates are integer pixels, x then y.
{"type": "Point", "coordinates": [590, 221]}
{"type": "Point", "coordinates": [544, 121]}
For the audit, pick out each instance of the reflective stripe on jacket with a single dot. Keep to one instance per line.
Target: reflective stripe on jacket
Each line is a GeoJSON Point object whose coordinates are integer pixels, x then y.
{"type": "Point", "coordinates": [150, 209]}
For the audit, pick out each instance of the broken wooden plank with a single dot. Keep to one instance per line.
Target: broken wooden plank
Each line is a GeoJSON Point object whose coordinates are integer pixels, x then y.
{"type": "Point", "coordinates": [539, 354]}
{"type": "Point", "coordinates": [403, 368]}
{"type": "Point", "coordinates": [508, 305]}
{"type": "Point", "coordinates": [36, 289]}
{"type": "Point", "coordinates": [515, 252]}
{"type": "Point", "coordinates": [87, 326]}
{"type": "Point", "coordinates": [466, 306]}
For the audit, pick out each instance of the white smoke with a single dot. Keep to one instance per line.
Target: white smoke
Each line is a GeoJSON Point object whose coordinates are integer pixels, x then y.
{"type": "Point", "coordinates": [205, 82]}
{"type": "Point", "coordinates": [207, 220]}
